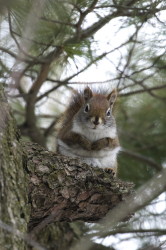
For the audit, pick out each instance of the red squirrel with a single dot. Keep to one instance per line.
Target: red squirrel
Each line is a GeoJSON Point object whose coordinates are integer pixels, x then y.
{"type": "Point", "coordinates": [88, 130]}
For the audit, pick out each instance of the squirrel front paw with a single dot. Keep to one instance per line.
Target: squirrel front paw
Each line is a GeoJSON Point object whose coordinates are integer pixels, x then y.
{"type": "Point", "coordinates": [100, 144]}
{"type": "Point", "coordinates": [85, 144]}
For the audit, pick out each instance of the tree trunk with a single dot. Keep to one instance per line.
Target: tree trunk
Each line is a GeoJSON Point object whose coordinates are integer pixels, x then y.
{"type": "Point", "coordinates": [13, 183]}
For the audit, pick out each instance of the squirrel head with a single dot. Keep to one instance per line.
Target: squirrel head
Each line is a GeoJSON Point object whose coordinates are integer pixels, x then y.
{"type": "Point", "coordinates": [96, 112]}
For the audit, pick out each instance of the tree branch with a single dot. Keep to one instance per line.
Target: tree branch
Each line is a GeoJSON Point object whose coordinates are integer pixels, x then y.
{"type": "Point", "coordinates": [34, 132]}
{"type": "Point", "coordinates": [140, 91]}
{"type": "Point", "coordinates": [64, 189]}
{"type": "Point", "coordinates": [9, 52]}
{"type": "Point", "coordinates": [152, 231]}
{"type": "Point", "coordinates": [66, 81]}
{"type": "Point", "coordinates": [121, 11]}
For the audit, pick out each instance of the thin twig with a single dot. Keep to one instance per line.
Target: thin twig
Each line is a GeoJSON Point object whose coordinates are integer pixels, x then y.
{"type": "Point", "coordinates": [140, 91]}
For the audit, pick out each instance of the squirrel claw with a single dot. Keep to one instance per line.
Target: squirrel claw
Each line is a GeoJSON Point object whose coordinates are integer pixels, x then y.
{"type": "Point", "coordinates": [110, 171]}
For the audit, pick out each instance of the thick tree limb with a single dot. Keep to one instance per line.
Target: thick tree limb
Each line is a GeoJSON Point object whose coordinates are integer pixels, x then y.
{"type": "Point", "coordinates": [33, 130]}
{"type": "Point", "coordinates": [64, 189]}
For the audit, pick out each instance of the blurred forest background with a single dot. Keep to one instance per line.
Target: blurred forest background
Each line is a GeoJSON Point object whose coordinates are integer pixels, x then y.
{"type": "Point", "coordinates": [49, 47]}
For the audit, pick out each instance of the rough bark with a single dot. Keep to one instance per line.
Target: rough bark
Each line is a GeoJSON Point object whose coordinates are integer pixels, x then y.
{"type": "Point", "coordinates": [64, 189]}
{"type": "Point", "coordinates": [13, 184]}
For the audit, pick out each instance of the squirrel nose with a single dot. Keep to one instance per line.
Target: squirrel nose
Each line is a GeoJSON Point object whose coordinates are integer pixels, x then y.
{"type": "Point", "coordinates": [96, 120]}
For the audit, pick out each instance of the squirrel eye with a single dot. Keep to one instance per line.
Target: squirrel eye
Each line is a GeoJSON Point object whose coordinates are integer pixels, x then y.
{"type": "Point", "coordinates": [108, 113]}
{"type": "Point", "coordinates": [87, 107]}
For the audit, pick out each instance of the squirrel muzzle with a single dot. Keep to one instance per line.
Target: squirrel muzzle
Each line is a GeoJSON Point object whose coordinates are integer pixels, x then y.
{"type": "Point", "coordinates": [96, 120]}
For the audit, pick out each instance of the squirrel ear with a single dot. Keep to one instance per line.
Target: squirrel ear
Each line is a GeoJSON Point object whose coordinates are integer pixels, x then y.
{"type": "Point", "coordinates": [87, 93]}
{"type": "Point", "coordinates": [112, 97]}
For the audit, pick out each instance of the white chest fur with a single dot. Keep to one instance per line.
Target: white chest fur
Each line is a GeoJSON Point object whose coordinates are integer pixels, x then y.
{"type": "Point", "coordinates": [92, 134]}
{"type": "Point", "coordinates": [105, 158]}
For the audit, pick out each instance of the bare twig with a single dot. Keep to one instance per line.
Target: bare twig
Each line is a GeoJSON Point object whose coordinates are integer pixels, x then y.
{"type": "Point", "coordinates": [152, 231]}
{"type": "Point", "coordinates": [14, 38]}
{"type": "Point", "coordinates": [12, 54]}
{"type": "Point", "coordinates": [82, 17]}
{"type": "Point", "coordinates": [67, 80]}
{"type": "Point", "coordinates": [140, 91]}
{"type": "Point", "coordinates": [129, 58]}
